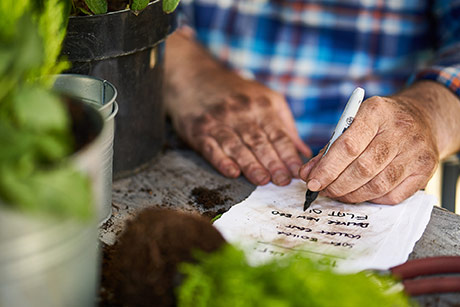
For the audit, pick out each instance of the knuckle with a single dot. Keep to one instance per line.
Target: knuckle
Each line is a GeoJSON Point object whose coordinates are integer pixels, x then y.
{"type": "Point", "coordinates": [378, 186]}
{"type": "Point", "coordinates": [325, 173]}
{"type": "Point", "coordinates": [219, 110]}
{"type": "Point", "coordinates": [201, 124]}
{"type": "Point", "coordinates": [351, 146]}
{"type": "Point", "coordinates": [255, 139]}
{"type": "Point", "coordinates": [229, 142]}
{"type": "Point", "coordinates": [274, 164]}
{"type": "Point", "coordinates": [240, 103]}
{"type": "Point", "coordinates": [250, 166]}
{"type": "Point", "coordinates": [277, 135]}
{"type": "Point", "coordinates": [418, 139]}
{"type": "Point", "coordinates": [290, 158]}
{"type": "Point", "coordinates": [393, 173]}
{"type": "Point", "coordinates": [263, 101]}
{"type": "Point", "coordinates": [223, 136]}
{"type": "Point", "coordinates": [207, 148]}
{"type": "Point", "coordinates": [428, 160]}
{"type": "Point", "coordinates": [373, 104]}
{"type": "Point", "coordinates": [381, 153]}
{"type": "Point", "coordinates": [233, 147]}
{"type": "Point", "coordinates": [364, 168]}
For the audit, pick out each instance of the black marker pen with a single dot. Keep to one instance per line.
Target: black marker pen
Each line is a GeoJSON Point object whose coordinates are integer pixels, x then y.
{"type": "Point", "coordinates": [345, 121]}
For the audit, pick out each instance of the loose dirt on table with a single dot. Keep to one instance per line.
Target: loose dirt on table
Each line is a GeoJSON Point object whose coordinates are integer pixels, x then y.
{"type": "Point", "coordinates": [209, 198]}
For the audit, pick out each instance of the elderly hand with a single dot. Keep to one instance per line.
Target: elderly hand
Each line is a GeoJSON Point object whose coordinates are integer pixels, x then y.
{"type": "Point", "coordinates": [240, 126]}
{"type": "Point", "coordinates": [391, 150]}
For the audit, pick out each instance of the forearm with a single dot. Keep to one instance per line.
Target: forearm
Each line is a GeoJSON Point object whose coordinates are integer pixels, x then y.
{"type": "Point", "coordinates": [191, 74]}
{"type": "Point", "coordinates": [441, 108]}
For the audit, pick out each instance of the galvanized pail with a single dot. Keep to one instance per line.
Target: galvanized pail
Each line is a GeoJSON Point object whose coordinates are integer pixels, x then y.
{"type": "Point", "coordinates": [48, 261]}
{"type": "Point", "coordinates": [100, 94]}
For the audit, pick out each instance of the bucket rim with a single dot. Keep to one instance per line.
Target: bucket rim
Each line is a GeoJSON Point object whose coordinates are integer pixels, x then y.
{"type": "Point", "coordinates": [114, 112]}
{"type": "Point", "coordinates": [103, 106]}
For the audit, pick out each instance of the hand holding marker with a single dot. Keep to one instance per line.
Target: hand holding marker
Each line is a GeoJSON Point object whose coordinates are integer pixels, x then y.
{"type": "Point", "coordinates": [345, 121]}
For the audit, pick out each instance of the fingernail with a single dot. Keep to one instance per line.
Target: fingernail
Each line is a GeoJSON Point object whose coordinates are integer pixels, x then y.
{"type": "Point", "coordinates": [232, 171]}
{"type": "Point", "coordinates": [314, 185]}
{"type": "Point", "coordinates": [281, 178]}
{"type": "Point", "coordinates": [294, 168]}
{"type": "Point", "coordinates": [260, 176]}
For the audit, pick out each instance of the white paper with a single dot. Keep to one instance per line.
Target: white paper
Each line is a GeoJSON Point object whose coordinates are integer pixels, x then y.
{"type": "Point", "coordinates": [271, 223]}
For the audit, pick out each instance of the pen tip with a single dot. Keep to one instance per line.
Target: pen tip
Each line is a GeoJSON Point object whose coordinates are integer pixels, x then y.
{"type": "Point", "coordinates": [310, 197]}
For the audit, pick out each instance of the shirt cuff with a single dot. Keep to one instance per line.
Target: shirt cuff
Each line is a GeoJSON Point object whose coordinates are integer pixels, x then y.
{"type": "Point", "coordinates": [449, 76]}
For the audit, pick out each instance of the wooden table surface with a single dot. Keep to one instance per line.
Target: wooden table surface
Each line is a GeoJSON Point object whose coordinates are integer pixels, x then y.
{"type": "Point", "coordinates": [169, 179]}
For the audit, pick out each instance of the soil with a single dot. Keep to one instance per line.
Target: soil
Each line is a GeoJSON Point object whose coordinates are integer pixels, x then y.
{"type": "Point", "coordinates": [85, 122]}
{"type": "Point", "coordinates": [141, 268]}
{"type": "Point", "coordinates": [212, 214]}
{"type": "Point", "coordinates": [117, 5]}
{"type": "Point", "coordinates": [209, 198]}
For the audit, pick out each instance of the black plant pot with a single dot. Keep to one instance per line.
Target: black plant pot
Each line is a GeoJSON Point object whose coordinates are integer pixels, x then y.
{"type": "Point", "coordinates": [127, 50]}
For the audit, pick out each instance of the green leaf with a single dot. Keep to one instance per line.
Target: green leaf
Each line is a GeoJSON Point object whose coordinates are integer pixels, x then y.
{"type": "Point", "coordinates": [139, 5]}
{"type": "Point", "coordinates": [84, 11]}
{"type": "Point", "coordinates": [170, 5]}
{"type": "Point", "coordinates": [23, 53]}
{"type": "Point", "coordinates": [52, 22]}
{"type": "Point", "coordinates": [39, 110]}
{"type": "Point", "coordinates": [61, 191]}
{"type": "Point", "coordinates": [224, 278]}
{"type": "Point", "coordinates": [35, 138]}
{"type": "Point", "coordinates": [97, 6]}
{"type": "Point", "coordinates": [15, 143]}
{"type": "Point", "coordinates": [216, 218]}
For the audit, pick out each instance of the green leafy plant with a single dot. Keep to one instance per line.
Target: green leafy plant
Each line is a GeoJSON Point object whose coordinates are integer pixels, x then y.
{"type": "Point", "coordinates": [90, 7]}
{"type": "Point", "coordinates": [224, 279]}
{"type": "Point", "coordinates": [35, 135]}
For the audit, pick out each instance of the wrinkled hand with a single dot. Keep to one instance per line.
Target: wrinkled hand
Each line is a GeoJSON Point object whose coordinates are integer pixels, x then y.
{"type": "Point", "coordinates": [240, 126]}
{"type": "Point", "coordinates": [248, 129]}
{"type": "Point", "coordinates": [386, 155]}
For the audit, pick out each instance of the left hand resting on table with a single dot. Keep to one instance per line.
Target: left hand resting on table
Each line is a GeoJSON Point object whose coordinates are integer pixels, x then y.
{"type": "Point", "coordinates": [392, 148]}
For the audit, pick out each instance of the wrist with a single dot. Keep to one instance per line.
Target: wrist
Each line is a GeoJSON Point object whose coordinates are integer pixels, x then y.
{"type": "Point", "coordinates": [439, 109]}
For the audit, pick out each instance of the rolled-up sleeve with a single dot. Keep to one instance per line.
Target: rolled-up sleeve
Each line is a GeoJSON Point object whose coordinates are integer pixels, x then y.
{"type": "Point", "coordinates": [445, 67]}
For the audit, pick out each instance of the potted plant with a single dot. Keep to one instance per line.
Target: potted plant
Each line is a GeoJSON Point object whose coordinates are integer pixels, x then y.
{"type": "Point", "coordinates": [121, 41]}
{"type": "Point", "coordinates": [50, 178]}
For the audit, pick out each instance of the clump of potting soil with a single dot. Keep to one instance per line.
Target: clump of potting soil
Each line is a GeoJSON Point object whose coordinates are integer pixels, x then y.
{"type": "Point", "coordinates": [141, 268]}
{"type": "Point", "coordinates": [209, 198]}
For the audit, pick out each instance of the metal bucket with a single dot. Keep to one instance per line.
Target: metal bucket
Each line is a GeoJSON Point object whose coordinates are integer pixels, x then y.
{"type": "Point", "coordinates": [47, 262]}
{"type": "Point", "coordinates": [100, 94]}
{"type": "Point", "coordinates": [51, 262]}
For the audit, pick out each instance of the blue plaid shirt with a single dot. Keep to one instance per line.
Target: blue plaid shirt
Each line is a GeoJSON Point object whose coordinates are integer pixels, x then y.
{"type": "Point", "coordinates": [316, 52]}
